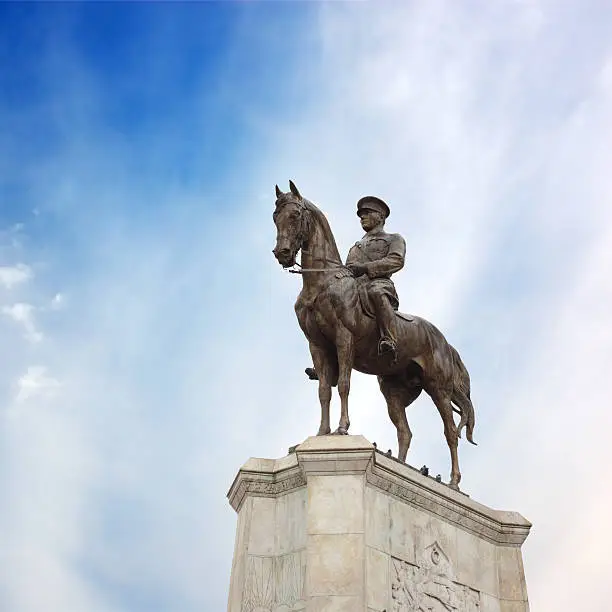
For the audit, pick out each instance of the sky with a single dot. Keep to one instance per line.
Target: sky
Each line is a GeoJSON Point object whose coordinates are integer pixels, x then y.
{"type": "Point", "coordinates": [148, 340]}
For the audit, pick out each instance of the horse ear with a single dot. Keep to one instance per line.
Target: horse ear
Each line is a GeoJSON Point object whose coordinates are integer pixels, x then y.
{"type": "Point", "coordinates": [279, 193]}
{"type": "Point", "coordinates": [294, 190]}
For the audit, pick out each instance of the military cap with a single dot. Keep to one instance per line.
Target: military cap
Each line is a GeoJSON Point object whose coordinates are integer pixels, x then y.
{"type": "Point", "coordinates": [373, 203]}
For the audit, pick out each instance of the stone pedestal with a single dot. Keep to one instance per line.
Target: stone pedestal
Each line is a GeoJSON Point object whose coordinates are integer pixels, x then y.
{"type": "Point", "coordinates": [339, 527]}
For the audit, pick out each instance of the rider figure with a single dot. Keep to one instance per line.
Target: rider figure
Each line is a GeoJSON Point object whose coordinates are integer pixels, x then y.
{"type": "Point", "coordinates": [372, 261]}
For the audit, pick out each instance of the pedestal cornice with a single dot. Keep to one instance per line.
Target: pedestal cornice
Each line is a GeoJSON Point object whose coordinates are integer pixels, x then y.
{"type": "Point", "coordinates": [266, 478]}
{"type": "Point", "coordinates": [355, 455]}
{"type": "Point", "coordinates": [410, 486]}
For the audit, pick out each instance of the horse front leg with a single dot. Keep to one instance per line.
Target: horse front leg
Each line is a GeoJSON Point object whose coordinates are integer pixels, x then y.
{"type": "Point", "coordinates": [345, 347]}
{"type": "Point", "coordinates": [325, 372]}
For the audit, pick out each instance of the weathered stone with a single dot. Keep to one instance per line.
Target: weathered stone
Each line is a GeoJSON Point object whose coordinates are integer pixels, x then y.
{"type": "Point", "coordinates": [377, 579]}
{"type": "Point", "coordinates": [335, 564]}
{"type": "Point", "coordinates": [339, 527]}
{"type": "Point", "coordinates": [335, 504]}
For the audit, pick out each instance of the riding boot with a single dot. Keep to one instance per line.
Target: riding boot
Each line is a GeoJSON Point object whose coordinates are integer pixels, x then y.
{"type": "Point", "coordinates": [386, 322]}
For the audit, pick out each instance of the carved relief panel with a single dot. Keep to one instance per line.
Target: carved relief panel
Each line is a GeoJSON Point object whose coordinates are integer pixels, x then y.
{"type": "Point", "coordinates": [275, 584]}
{"type": "Point", "coordinates": [430, 586]}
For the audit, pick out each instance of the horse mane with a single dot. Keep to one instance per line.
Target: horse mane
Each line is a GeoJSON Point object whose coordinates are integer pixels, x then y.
{"type": "Point", "coordinates": [327, 232]}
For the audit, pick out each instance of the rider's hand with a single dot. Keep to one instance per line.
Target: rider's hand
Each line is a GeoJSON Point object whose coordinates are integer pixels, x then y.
{"type": "Point", "coordinates": [357, 269]}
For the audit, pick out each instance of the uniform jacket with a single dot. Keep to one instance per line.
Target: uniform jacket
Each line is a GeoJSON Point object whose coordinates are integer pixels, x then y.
{"type": "Point", "coordinates": [382, 255]}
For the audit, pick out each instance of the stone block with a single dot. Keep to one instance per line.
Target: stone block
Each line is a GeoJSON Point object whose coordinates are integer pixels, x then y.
{"type": "Point", "coordinates": [290, 527]}
{"type": "Point", "coordinates": [510, 573]}
{"type": "Point", "coordinates": [335, 565]}
{"type": "Point", "coordinates": [378, 520]}
{"type": "Point", "coordinates": [335, 504]}
{"type": "Point", "coordinates": [429, 529]}
{"type": "Point", "coordinates": [262, 530]}
{"type": "Point", "coordinates": [237, 578]}
{"type": "Point", "coordinates": [488, 603]}
{"type": "Point", "coordinates": [284, 463]}
{"type": "Point", "coordinates": [331, 454]}
{"type": "Point", "coordinates": [377, 579]}
{"type": "Point", "coordinates": [333, 603]}
{"type": "Point", "coordinates": [513, 606]}
{"type": "Point", "coordinates": [341, 444]}
{"type": "Point", "coordinates": [402, 535]}
{"type": "Point", "coordinates": [477, 563]}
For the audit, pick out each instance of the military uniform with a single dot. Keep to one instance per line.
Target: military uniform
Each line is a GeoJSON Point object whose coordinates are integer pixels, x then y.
{"type": "Point", "coordinates": [381, 255]}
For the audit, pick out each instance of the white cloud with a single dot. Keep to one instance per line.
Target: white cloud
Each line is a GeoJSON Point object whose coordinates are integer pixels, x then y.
{"type": "Point", "coordinates": [36, 383]}
{"type": "Point", "coordinates": [488, 146]}
{"type": "Point", "coordinates": [10, 276]}
{"type": "Point", "coordinates": [46, 512]}
{"type": "Point", "coordinates": [58, 301]}
{"type": "Point", "coordinates": [23, 314]}
{"type": "Point", "coordinates": [184, 348]}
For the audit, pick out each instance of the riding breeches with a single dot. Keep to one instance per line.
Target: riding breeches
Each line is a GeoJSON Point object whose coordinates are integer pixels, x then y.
{"type": "Point", "coordinates": [385, 314]}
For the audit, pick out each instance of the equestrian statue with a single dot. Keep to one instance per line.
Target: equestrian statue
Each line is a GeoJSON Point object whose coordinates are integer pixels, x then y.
{"type": "Point", "coordinates": [349, 315]}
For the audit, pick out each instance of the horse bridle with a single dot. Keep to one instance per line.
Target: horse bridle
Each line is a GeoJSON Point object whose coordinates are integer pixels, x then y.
{"type": "Point", "coordinates": [301, 237]}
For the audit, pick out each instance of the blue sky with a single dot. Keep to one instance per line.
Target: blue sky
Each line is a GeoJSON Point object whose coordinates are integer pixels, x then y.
{"type": "Point", "coordinates": [149, 345]}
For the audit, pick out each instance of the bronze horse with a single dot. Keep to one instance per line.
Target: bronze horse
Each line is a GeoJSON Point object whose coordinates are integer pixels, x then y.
{"type": "Point", "coordinates": [342, 337]}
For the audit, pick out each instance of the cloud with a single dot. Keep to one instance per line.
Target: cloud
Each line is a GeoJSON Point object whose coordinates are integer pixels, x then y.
{"type": "Point", "coordinates": [554, 410]}
{"type": "Point", "coordinates": [35, 383]}
{"type": "Point", "coordinates": [58, 301]}
{"type": "Point", "coordinates": [24, 315]}
{"type": "Point", "coordinates": [11, 276]}
{"type": "Point", "coordinates": [46, 489]}
{"type": "Point", "coordinates": [180, 355]}
{"type": "Point", "coordinates": [488, 147]}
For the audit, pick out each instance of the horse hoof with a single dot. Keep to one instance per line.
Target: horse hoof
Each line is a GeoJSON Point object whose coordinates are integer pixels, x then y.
{"type": "Point", "coordinates": [454, 486]}
{"type": "Point", "coordinates": [341, 431]}
{"type": "Point", "coordinates": [324, 432]}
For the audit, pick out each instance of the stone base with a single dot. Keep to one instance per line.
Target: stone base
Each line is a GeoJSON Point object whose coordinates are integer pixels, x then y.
{"type": "Point", "coordinates": [339, 527]}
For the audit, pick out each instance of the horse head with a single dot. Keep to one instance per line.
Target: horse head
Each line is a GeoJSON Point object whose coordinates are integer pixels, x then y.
{"type": "Point", "coordinates": [292, 225]}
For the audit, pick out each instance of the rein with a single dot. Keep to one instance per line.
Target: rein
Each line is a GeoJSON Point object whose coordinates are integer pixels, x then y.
{"type": "Point", "coordinates": [302, 270]}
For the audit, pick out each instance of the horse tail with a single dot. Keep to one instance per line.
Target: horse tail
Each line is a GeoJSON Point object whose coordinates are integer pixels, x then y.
{"type": "Point", "coordinates": [461, 395]}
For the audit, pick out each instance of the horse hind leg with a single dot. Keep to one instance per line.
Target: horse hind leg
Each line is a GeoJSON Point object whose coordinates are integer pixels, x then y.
{"type": "Point", "coordinates": [398, 397]}
{"type": "Point", "coordinates": [442, 401]}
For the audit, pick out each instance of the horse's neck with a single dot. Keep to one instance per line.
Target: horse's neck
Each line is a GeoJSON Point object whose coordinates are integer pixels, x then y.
{"type": "Point", "coordinates": [320, 252]}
